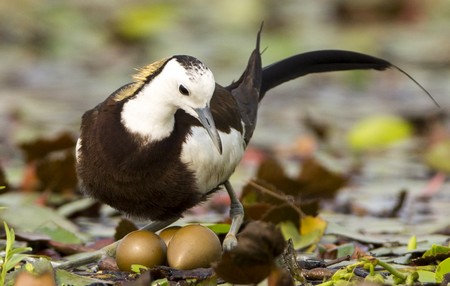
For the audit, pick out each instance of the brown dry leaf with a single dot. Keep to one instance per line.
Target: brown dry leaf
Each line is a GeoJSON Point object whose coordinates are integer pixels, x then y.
{"type": "Point", "coordinates": [280, 213]}
{"type": "Point", "coordinates": [124, 227]}
{"type": "Point", "coordinates": [318, 181]}
{"type": "Point", "coordinates": [41, 147]}
{"type": "Point", "coordinates": [57, 173]}
{"type": "Point", "coordinates": [255, 211]}
{"type": "Point", "coordinates": [280, 277]}
{"type": "Point", "coordinates": [272, 173]}
{"type": "Point", "coordinates": [50, 164]}
{"type": "Point", "coordinates": [69, 248]}
{"type": "Point", "coordinates": [289, 212]}
{"type": "Point", "coordinates": [275, 197]}
{"type": "Point", "coordinates": [314, 181]}
{"type": "Point", "coordinates": [252, 260]}
{"type": "Point", "coordinates": [264, 202]}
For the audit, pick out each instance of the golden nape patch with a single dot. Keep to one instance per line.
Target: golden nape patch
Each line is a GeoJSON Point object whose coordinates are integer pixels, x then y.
{"type": "Point", "coordinates": [145, 72]}
{"type": "Point", "coordinates": [126, 91]}
{"type": "Point", "coordinates": [139, 78]}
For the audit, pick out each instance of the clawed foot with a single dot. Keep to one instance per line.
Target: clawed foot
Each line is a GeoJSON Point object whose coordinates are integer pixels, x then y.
{"type": "Point", "coordinates": [237, 216]}
{"type": "Point", "coordinates": [229, 242]}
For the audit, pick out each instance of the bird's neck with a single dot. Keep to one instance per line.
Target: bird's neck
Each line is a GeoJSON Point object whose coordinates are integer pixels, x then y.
{"type": "Point", "coordinates": [148, 117]}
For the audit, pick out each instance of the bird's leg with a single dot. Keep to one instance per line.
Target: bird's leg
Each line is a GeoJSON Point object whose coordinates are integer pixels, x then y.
{"type": "Point", "coordinates": [237, 216]}
{"type": "Point", "coordinates": [109, 250]}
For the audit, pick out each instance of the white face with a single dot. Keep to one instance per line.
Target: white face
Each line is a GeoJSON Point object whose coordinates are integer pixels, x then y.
{"type": "Point", "coordinates": [187, 87]}
{"type": "Point", "coordinates": [184, 83]}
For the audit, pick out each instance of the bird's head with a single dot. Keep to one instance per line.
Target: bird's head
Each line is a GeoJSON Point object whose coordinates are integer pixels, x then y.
{"type": "Point", "coordinates": [179, 82]}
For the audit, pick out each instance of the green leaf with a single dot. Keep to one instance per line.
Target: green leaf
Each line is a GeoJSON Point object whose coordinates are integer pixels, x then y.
{"type": "Point", "coordinates": [68, 209]}
{"type": "Point", "coordinates": [437, 156]}
{"type": "Point", "coordinates": [13, 261]}
{"type": "Point", "coordinates": [38, 266]}
{"type": "Point", "coordinates": [412, 243]}
{"type": "Point", "coordinates": [377, 132]}
{"type": "Point", "coordinates": [220, 228]}
{"type": "Point", "coordinates": [426, 276]}
{"type": "Point", "coordinates": [377, 278]}
{"type": "Point", "coordinates": [10, 237]}
{"type": "Point", "coordinates": [161, 282]}
{"type": "Point", "coordinates": [59, 234]}
{"type": "Point", "coordinates": [442, 269]}
{"type": "Point", "coordinates": [67, 278]}
{"type": "Point", "coordinates": [290, 231]}
{"type": "Point", "coordinates": [29, 267]}
{"type": "Point", "coordinates": [436, 249]}
{"type": "Point", "coordinates": [204, 282]}
{"type": "Point", "coordinates": [19, 250]}
{"type": "Point", "coordinates": [345, 249]}
{"type": "Point", "coordinates": [137, 268]}
{"type": "Point", "coordinates": [412, 278]}
{"type": "Point", "coordinates": [140, 21]}
{"type": "Point", "coordinates": [31, 215]}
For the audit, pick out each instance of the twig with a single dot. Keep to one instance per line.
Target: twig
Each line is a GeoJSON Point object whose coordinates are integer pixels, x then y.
{"type": "Point", "coordinates": [281, 197]}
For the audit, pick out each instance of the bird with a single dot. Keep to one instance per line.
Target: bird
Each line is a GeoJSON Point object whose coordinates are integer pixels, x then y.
{"type": "Point", "coordinates": [173, 136]}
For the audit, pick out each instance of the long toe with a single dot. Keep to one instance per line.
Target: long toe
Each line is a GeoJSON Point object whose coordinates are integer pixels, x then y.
{"type": "Point", "coordinates": [229, 242]}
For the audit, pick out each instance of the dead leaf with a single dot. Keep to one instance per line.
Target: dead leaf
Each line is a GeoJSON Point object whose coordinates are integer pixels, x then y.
{"type": "Point", "coordinates": [252, 260]}
{"type": "Point", "coordinates": [272, 173]}
{"type": "Point", "coordinates": [56, 172]}
{"type": "Point", "coordinates": [275, 197]}
{"type": "Point", "coordinates": [69, 248]}
{"type": "Point", "coordinates": [280, 277]}
{"type": "Point", "coordinates": [124, 227]}
{"type": "Point", "coordinates": [280, 213]}
{"type": "Point", "coordinates": [318, 181]}
{"type": "Point", "coordinates": [311, 224]}
{"type": "Point", "coordinates": [108, 264]}
{"type": "Point", "coordinates": [255, 211]}
{"type": "Point", "coordinates": [41, 147]}
{"type": "Point", "coordinates": [50, 164]}
{"type": "Point", "coordinates": [264, 202]}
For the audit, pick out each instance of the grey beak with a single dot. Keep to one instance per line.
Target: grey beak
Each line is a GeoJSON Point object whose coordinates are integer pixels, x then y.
{"type": "Point", "coordinates": [206, 119]}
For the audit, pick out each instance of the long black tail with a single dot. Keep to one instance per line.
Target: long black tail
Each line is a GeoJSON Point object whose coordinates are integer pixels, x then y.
{"type": "Point", "coordinates": [323, 61]}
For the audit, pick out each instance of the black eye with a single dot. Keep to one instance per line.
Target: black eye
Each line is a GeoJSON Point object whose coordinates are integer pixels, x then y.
{"type": "Point", "coordinates": [183, 90]}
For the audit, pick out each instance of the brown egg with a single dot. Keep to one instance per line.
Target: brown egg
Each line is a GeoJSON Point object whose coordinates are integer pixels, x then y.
{"type": "Point", "coordinates": [167, 233]}
{"type": "Point", "coordinates": [140, 247]}
{"type": "Point", "coordinates": [193, 246]}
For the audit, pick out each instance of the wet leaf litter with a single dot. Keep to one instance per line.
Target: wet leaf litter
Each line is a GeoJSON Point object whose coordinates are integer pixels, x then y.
{"type": "Point", "coordinates": [361, 214]}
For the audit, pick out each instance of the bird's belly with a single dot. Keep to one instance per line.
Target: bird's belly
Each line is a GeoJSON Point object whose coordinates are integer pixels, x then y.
{"type": "Point", "coordinates": [202, 157]}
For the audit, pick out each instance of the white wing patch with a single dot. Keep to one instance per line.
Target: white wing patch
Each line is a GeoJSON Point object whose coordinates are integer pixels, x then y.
{"type": "Point", "coordinates": [202, 157]}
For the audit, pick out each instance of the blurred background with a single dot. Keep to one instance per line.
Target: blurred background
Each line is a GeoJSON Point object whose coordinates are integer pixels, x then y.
{"type": "Point", "coordinates": [60, 58]}
{"type": "Point", "coordinates": [361, 146]}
